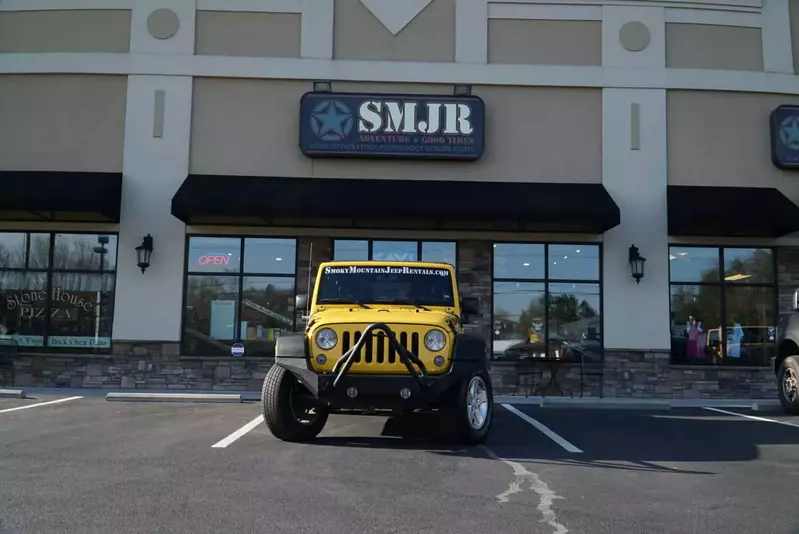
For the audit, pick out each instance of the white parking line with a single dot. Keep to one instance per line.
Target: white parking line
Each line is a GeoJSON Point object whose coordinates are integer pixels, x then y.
{"type": "Point", "coordinates": [38, 404]}
{"type": "Point", "coordinates": [238, 433]}
{"type": "Point", "coordinates": [753, 417]}
{"type": "Point", "coordinates": [543, 429]}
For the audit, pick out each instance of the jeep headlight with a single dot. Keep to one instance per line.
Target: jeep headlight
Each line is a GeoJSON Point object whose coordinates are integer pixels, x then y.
{"type": "Point", "coordinates": [434, 340]}
{"type": "Point", "coordinates": [326, 339]}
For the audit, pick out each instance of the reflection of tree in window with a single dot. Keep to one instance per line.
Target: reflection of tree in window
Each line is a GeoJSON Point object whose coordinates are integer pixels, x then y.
{"type": "Point", "coordinates": [745, 285]}
{"type": "Point", "coordinates": [267, 312]}
{"type": "Point", "coordinates": [254, 309]}
{"type": "Point", "coordinates": [75, 310]}
{"type": "Point", "coordinates": [78, 252]}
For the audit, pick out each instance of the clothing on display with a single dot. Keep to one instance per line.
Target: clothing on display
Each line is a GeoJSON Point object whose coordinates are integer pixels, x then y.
{"type": "Point", "coordinates": [734, 337]}
{"type": "Point", "coordinates": [695, 346]}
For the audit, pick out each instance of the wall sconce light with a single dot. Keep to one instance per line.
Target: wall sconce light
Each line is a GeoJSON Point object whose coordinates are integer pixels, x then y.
{"type": "Point", "coordinates": [322, 86]}
{"type": "Point", "coordinates": [144, 251]}
{"type": "Point", "coordinates": [462, 89]}
{"type": "Point", "coordinates": [636, 264]}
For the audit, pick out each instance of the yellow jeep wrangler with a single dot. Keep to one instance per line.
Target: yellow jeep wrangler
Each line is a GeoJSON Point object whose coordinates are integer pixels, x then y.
{"type": "Point", "coordinates": [381, 337]}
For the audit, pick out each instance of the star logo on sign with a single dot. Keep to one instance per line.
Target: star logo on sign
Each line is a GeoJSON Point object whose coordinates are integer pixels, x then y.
{"type": "Point", "coordinates": [331, 120]}
{"type": "Point", "coordinates": [789, 132]}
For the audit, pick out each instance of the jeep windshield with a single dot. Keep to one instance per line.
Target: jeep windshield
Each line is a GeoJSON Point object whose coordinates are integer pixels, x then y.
{"type": "Point", "coordinates": [384, 284]}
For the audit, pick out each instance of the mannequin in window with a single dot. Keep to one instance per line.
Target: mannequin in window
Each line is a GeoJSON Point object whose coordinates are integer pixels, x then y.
{"type": "Point", "coordinates": [701, 338]}
{"type": "Point", "coordinates": [734, 337]}
{"type": "Point", "coordinates": [690, 345]}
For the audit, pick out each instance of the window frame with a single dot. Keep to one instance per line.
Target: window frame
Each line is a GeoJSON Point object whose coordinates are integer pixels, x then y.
{"type": "Point", "coordinates": [547, 281]}
{"type": "Point", "coordinates": [50, 270]}
{"type": "Point", "coordinates": [419, 246]}
{"type": "Point", "coordinates": [240, 274]}
{"type": "Point", "coordinates": [723, 285]}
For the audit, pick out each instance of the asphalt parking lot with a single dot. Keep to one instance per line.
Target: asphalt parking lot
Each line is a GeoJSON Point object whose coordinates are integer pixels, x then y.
{"type": "Point", "coordinates": [86, 465]}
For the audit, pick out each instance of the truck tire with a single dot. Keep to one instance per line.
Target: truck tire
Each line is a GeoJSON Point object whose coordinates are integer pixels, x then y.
{"type": "Point", "coordinates": [788, 384]}
{"type": "Point", "coordinates": [469, 411]}
{"type": "Point", "coordinates": [287, 417]}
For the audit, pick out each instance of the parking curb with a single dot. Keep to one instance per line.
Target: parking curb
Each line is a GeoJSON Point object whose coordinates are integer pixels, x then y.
{"type": "Point", "coordinates": [174, 397]}
{"type": "Point", "coordinates": [12, 394]}
{"type": "Point", "coordinates": [608, 403]}
{"type": "Point", "coordinates": [615, 403]}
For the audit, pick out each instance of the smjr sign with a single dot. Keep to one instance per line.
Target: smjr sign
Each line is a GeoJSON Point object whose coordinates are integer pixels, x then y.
{"type": "Point", "coordinates": [392, 126]}
{"type": "Point", "coordinates": [785, 137]}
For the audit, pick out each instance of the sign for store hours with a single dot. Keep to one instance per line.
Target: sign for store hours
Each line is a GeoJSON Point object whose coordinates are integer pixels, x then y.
{"type": "Point", "coordinates": [392, 126]}
{"type": "Point", "coordinates": [785, 137]}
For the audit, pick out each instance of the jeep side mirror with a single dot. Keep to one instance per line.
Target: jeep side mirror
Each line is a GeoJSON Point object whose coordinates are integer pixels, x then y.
{"type": "Point", "coordinates": [301, 302]}
{"type": "Point", "coordinates": [796, 300]}
{"type": "Point", "coordinates": [471, 305]}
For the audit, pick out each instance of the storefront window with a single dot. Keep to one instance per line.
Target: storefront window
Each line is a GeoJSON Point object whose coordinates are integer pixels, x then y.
{"type": "Point", "coordinates": [387, 250]}
{"type": "Point", "coordinates": [723, 305]}
{"type": "Point", "coordinates": [65, 304]}
{"type": "Point", "coordinates": [238, 290]}
{"type": "Point", "coordinates": [395, 250]}
{"type": "Point", "coordinates": [547, 301]}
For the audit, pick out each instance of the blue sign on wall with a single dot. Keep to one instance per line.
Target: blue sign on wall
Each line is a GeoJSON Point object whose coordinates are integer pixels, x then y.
{"type": "Point", "coordinates": [785, 137]}
{"type": "Point", "coordinates": [392, 126]}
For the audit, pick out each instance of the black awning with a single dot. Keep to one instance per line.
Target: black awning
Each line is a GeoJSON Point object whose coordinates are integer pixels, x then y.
{"type": "Point", "coordinates": [730, 212]}
{"type": "Point", "coordinates": [549, 207]}
{"type": "Point", "coordinates": [60, 196]}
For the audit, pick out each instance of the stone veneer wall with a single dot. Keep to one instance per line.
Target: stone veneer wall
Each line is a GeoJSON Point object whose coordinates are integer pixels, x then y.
{"type": "Point", "coordinates": [787, 277]}
{"type": "Point", "coordinates": [627, 374]}
{"type": "Point", "coordinates": [308, 261]}
{"type": "Point", "coordinates": [638, 374]}
{"type": "Point", "coordinates": [141, 365]}
{"type": "Point", "coordinates": [474, 280]}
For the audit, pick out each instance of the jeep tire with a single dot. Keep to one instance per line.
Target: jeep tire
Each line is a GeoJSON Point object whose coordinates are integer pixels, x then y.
{"type": "Point", "coordinates": [788, 384]}
{"type": "Point", "coordinates": [469, 410]}
{"type": "Point", "coordinates": [286, 415]}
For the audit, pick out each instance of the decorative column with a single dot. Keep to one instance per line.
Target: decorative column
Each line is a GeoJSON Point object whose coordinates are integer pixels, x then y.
{"type": "Point", "coordinates": [634, 170]}
{"type": "Point", "coordinates": [776, 36]}
{"type": "Point", "coordinates": [148, 305]}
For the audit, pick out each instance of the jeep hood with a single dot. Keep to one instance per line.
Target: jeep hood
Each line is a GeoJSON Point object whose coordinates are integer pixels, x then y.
{"type": "Point", "coordinates": [385, 315]}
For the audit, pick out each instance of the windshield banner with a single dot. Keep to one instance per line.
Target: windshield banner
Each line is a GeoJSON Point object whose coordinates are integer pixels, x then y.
{"type": "Point", "coordinates": [354, 269]}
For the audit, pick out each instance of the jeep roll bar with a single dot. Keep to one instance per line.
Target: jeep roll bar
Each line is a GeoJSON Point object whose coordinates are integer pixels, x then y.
{"type": "Point", "coordinates": [406, 356]}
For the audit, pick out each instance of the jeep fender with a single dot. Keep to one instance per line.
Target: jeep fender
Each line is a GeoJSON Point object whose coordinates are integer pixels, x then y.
{"type": "Point", "coordinates": [470, 348]}
{"type": "Point", "coordinates": [291, 354]}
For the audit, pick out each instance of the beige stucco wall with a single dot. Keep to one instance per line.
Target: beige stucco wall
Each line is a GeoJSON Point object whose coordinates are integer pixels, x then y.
{"type": "Point", "coordinates": [428, 37]}
{"type": "Point", "coordinates": [248, 34]}
{"type": "Point", "coordinates": [545, 42]}
{"type": "Point", "coordinates": [251, 127]}
{"type": "Point", "coordinates": [722, 139]}
{"type": "Point", "coordinates": [65, 31]}
{"type": "Point", "coordinates": [704, 46]}
{"type": "Point", "coordinates": [62, 122]}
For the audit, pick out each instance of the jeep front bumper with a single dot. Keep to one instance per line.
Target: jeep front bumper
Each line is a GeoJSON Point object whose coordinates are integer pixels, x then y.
{"type": "Point", "coordinates": [344, 390]}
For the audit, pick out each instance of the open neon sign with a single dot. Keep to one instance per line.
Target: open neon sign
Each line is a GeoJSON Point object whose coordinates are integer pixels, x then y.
{"type": "Point", "coordinates": [214, 258]}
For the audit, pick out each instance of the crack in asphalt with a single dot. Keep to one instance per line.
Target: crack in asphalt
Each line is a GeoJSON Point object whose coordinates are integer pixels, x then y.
{"type": "Point", "coordinates": [545, 495]}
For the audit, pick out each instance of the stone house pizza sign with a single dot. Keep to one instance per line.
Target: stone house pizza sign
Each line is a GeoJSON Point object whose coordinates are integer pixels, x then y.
{"type": "Point", "coordinates": [33, 304]}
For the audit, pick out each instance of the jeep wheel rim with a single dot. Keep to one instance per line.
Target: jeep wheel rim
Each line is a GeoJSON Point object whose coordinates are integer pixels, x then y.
{"type": "Point", "coordinates": [477, 403]}
{"type": "Point", "coordinates": [790, 385]}
{"type": "Point", "coordinates": [302, 411]}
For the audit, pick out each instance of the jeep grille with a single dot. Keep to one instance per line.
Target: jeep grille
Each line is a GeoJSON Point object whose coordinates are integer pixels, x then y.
{"type": "Point", "coordinates": [377, 348]}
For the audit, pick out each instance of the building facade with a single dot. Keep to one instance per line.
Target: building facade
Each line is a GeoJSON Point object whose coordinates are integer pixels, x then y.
{"type": "Point", "coordinates": [567, 134]}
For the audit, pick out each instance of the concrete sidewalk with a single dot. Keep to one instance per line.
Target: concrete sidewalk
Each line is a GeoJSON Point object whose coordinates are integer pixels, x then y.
{"type": "Point", "coordinates": [547, 402]}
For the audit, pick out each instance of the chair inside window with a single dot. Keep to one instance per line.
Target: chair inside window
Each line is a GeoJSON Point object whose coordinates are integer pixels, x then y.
{"type": "Point", "coordinates": [591, 366]}
{"type": "Point", "coordinates": [526, 367]}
